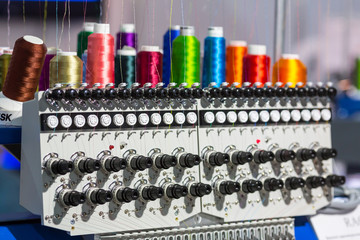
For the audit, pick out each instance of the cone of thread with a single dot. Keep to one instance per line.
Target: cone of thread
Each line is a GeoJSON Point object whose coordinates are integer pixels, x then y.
{"type": "Point", "coordinates": [4, 65]}
{"type": "Point", "coordinates": [66, 69]}
{"type": "Point", "coordinates": [125, 67]}
{"type": "Point", "coordinates": [289, 70]}
{"type": "Point", "coordinates": [169, 37]}
{"type": "Point", "coordinates": [149, 67]}
{"type": "Point", "coordinates": [234, 64]}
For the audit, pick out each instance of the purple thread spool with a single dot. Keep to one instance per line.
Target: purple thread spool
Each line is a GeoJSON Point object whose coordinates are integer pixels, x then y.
{"type": "Point", "coordinates": [44, 78]}
{"type": "Point", "coordinates": [126, 36]}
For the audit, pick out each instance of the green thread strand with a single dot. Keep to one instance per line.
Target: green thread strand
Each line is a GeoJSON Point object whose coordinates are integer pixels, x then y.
{"type": "Point", "coordinates": [186, 60]}
{"type": "Point", "coordinates": [82, 42]}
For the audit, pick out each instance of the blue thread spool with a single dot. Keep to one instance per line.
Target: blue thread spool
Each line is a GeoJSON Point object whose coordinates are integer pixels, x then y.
{"type": "Point", "coordinates": [214, 57]}
{"type": "Point", "coordinates": [84, 59]}
{"type": "Point", "coordinates": [169, 37]}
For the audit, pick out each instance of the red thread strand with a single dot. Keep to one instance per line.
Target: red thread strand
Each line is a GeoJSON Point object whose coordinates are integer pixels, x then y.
{"type": "Point", "coordinates": [100, 61]}
{"type": "Point", "coordinates": [149, 67]}
{"type": "Point", "coordinates": [256, 69]}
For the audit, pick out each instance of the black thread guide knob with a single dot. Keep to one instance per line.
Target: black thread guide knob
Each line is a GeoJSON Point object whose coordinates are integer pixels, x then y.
{"type": "Point", "coordinates": [311, 91]}
{"type": "Point", "coordinates": [73, 198]}
{"type": "Point", "coordinates": [161, 93]}
{"type": "Point", "coordinates": [240, 157]}
{"type": "Point", "coordinates": [284, 155]}
{"type": "Point", "coordinates": [100, 196]}
{"type": "Point", "coordinates": [176, 191]}
{"type": "Point", "coordinates": [110, 94]}
{"type": "Point", "coordinates": [213, 93]}
{"type": "Point", "coordinates": [174, 93]}
{"type": "Point", "coordinates": [248, 92]}
{"type": "Point", "coordinates": [188, 160]}
{"type": "Point", "coordinates": [57, 94]}
{"type": "Point", "coordinates": [326, 153]}
{"type": "Point", "coordinates": [151, 193]}
{"type": "Point", "coordinates": [315, 182]}
{"type": "Point", "coordinates": [305, 154]}
{"type": "Point", "coordinates": [71, 94]}
{"type": "Point", "coordinates": [124, 93]}
{"type": "Point", "coordinates": [229, 187]}
{"type": "Point", "coordinates": [273, 184]}
{"type": "Point", "coordinates": [185, 93]}
{"type": "Point", "coordinates": [126, 195]}
{"type": "Point", "coordinates": [237, 92]}
{"type": "Point", "coordinates": [293, 183]}
{"type": "Point", "coordinates": [251, 186]}
{"type": "Point", "coordinates": [197, 93]}
{"type": "Point", "coordinates": [280, 92]}
{"type": "Point", "coordinates": [140, 163]}
{"type": "Point", "coordinates": [97, 94]}
{"type": "Point", "coordinates": [60, 166]}
{"type": "Point", "coordinates": [270, 92]}
{"type": "Point", "coordinates": [290, 92]}
{"type": "Point", "coordinates": [335, 180]}
{"type": "Point", "coordinates": [149, 93]}
{"type": "Point", "coordinates": [137, 93]}
{"type": "Point", "coordinates": [89, 165]}
{"type": "Point", "coordinates": [322, 92]}
{"type": "Point", "coordinates": [331, 92]}
{"type": "Point", "coordinates": [225, 92]}
{"type": "Point", "coordinates": [259, 92]}
{"type": "Point", "coordinates": [262, 156]}
{"type": "Point", "coordinates": [200, 189]}
{"type": "Point", "coordinates": [84, 94]}
{"type": "Point", "coordinates": [300, 92]}
{"type": "Point", "coordinates": [114, 164]}
{"type": "Point", "coordinates": [165, 161]}
{"type": "Point", "coordinates": [218, 158]}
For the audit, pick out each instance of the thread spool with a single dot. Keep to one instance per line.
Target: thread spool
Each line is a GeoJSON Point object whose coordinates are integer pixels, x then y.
{"type": "Point", "coordinates": [100, 60]}
{"type": "Point", "coordinates": [66, 68]}
{"type": "Point", "coordinates": [149, 65]}
{"type": "Point", "coordinates": [44, 82]}
{"type": "Point", "coordinates": [256, 65]}
{"type": "Point", "coordinates": [24, 70]}
{"type": "Point", "coordinates": [235, 53]}
{"type": "Point", "coordinates": [214, 57]}
{"type": "Point", "coordinates": [186, 57]}
{"type": "Point", "coordinates": [2, 50]}
{"type": "Point", "coordinates": [84, 60]}
{"type": "Point", "coordinates": [82, 41]}
{"type": "Point", "coordinates": [172, 33]}
{"type": "Point", "coordinates": [4, 65]}
{"type": "Point", "coordinates": [126, 37]}
{"type": "Point", "coordinates": [125, 66]}
{"type": "Point", "coordinates": [357, 69]}
{"type": "Point", "coordinates": [289, 69]}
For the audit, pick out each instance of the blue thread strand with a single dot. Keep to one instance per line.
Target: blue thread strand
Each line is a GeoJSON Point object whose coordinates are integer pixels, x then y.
{"type": "Point", "coordinates": [169, 37]}
{"type": "Point", "coordinates": [214, 61]}
{"type": "Point", "coordinates": [84, 59]}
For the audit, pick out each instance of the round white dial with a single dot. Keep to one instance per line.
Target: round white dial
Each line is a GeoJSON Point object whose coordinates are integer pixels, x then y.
{"type": "Point", "coordinates": [243, 116]}
{"type": "Point", "coordinates": [295, 115]}
{"type": "Point", "coordinates": [326, 114]}
{"type": "Point", "coordinates": [105, 120]}
{"type": "Point", "coordinates": [131, 119]}
{"type": "Point", "coordinates": [231, 117]}
{"type": "Point", "coordinates": [191, 118]}
{"type": "Point", "coordinates": [52, 121]}
{"type": "Point", "coordinates": [209, 117]}
{"type": "Point", "coordinates": [65, 121]}
{"type": "Point", "coordinates": [264, 116]}
{"type": "Point", "coordinates": [155, 118]}
{"type": "Point", "coordinates": [144, 119]}
{"type": "Point", "coordinates": [79, 121]}
{"type": "Point", "coordinates": [220, 117]}
{"type": "Point", "coordinates": [180, 118]}
{"type": "Point", "coordinates": [275, 116]}
{"type": "Point", "coordinates": [305, 115]}
{"type": "Point", "coordinates": [168, 118]}
{"type": "Point", "coordinates": [92, 120]}
{"type": "Point", "coordinates": [285, 115]}
{"type": "Point", "coordinates": [118, 120]}
{"type": "Point", "coordinates": [254, 116]}
{"type": "Point", "coordinates": [315, 115]}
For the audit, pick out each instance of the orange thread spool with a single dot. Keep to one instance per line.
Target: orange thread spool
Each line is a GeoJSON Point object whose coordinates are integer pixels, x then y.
{"type": "Point", "coordinates": [234, 61]}
{"type": "Point", "coordinates": [289, 69]}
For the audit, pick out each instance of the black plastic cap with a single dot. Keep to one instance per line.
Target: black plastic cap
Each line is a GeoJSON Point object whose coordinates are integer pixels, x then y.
{"type": "Point", "coordinates": [137, 93]}
{"type": "Point", "coordinates": [97, 94]}
{"type": "Point", "coordinates": [321, 92]}
{"type": "Point", "coordinates": [151, 193]}
{"type": "Point", "coordinates": [124, 93]}
{"type": "Point", "coordinates": [251, 186]}
{"type": "Point", "coordinates": [237, 92]}
{"type": "Point", "coordinates": [197, 93]}
{"type": "Point", "coordinates": [71, 94]}
{"type": "Point", "coordinates": [240, 157]}
{"type": "Point", "coordinates": [331, 92]}
{"type": "Point", "coordinates": [270, 92]}
{"type": "Point", "coordinates": [189, 160]}
{"type": "Point", "coordinates": [311, 91]}
{"type": "Point", "coordinates": [84, 94]}
{"type": "Point", "coordinates": [161, 93]}
{"type": "Point", "coordinates": [141, 163]}
{"type": "Point", "coordinates": [89, 165]}
{"type": "Point", "coordinates": [149, 93]}
{"type": "Point", "coordinates": [176, 191]}
{"type": "Point", "coordinates": [62, 167]}
{"type": "Point", "coordinates": [200, 189]}
{"type": "Point", "coordinates": [74, 198]}
{"type": "Point", "coordinates": [262, 156]}
{"type": "Point", "coordinates": [259, 92]}
{"type": "Point", "coordinates": [225, 92]}
{"type": "Point", "coordinates": [293, 183]}
{"type": "Point", "coordinates": [218, 158]}
{"type": "Point", "coordinates": [57, 94]}
{"type": "Point", "coordinates": [315, 182]}
{"type": "Point", "coordinates": [185, 93]}
{"type": "Point", "coordinates": [110, 94]}
{"type": "Point", "coordinates": [174, 93]}
{"type": "Point", "coordinates": [326, 153]}
{"type": "Point", "coordinates": [165, 161]}
{"type": "Point", "coordinates": [273, 184]}
{"type": "Point", "coordinates": [127, 194]}
{"type": "Point", "coordinates": [305, 154]}
{"type": "Point", "coordinates": [248, 92]}
{"type": "Point", "coordinates": [335, 180]}
{"type": "Point", "coordinates": [229, 187]}
{"type": "Point", "coordinates": [284, 155]}
{"type": "Point", "coordinates": [100, 196]}
{"type": "Point", "coordinates": [280, 92]}
{"type": "Point", "coordinates": [300, 92]}
{"type": "Point", "coordinates": [115, 164]}
{"type": "Point", "coordinates": [290, 92]}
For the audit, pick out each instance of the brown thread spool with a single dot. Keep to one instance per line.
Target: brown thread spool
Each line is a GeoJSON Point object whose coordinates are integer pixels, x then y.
{"type": "Point", "coordinates": [25, 67]}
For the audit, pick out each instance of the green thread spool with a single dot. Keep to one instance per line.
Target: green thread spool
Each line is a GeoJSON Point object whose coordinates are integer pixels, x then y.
{"type": "Point", "coordinates": [66, 68]}
{"type": "Point", "coordinates": [186, 57]}
{"type": "Point", "coordinates": [4, 65]}
{"type": "Point", "coordinates": [82, 41]}
{"type": "Point", "coordinates": [125, 66]}
{"type": "Point", "coordinates": [357, 72]}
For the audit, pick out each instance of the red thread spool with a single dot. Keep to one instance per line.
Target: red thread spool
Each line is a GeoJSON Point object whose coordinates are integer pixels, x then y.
{"type": "Point", "coordinates": [100, 61]}
{"type": "Point", "coordinates": [256, 65]}
{"type": "Point", "coordinates": [149, 65]}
